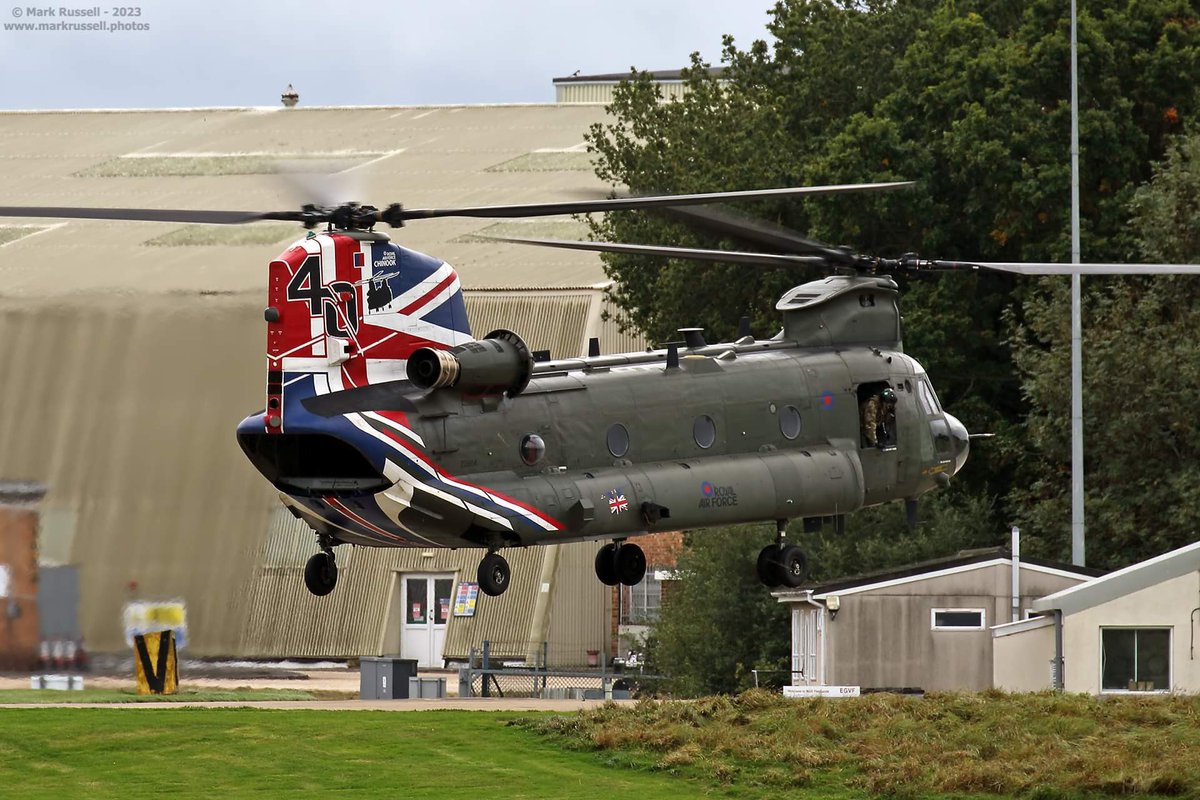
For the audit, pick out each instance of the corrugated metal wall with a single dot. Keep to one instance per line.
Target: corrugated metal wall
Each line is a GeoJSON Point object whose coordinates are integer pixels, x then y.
{"type": "Point", "coordinates": [603, 92]}
{"type": "Point", "coordinates": [363, 615]}
{"type": "Point", "coordinates": [581, 607]}
{"type": "Point", "coordinates": [555, 321]}
{"type": "Point", "coordinates": [125, 408]}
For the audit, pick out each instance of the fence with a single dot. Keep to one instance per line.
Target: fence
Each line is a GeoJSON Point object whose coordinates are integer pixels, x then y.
{"type": "Point", "coordinates": [487, 676]}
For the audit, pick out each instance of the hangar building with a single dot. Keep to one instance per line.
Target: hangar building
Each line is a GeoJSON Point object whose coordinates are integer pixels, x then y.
{"type": "Point", "coordinates": [133, 349]}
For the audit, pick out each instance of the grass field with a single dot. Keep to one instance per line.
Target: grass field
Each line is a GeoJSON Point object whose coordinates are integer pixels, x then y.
{"type": "Point", "coordinates": [1041, 745]}
{"type": "Point", "coordinates": [758, 745]}
{"type": "Point", "coordinates": [183, 695]}
{"type": "Point", "coordinates": [226, 753]}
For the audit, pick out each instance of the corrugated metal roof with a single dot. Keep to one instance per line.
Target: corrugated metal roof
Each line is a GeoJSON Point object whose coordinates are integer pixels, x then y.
{"type": "Point", "coordinates": [431, 156]}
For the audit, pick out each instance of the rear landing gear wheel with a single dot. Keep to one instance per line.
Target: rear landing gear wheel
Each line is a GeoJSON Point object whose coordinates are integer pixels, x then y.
{"type": "Point", "coordinates": [494, 574]}
{"type": "Point", "coordinates": [630, 564]}
{"type": "Point", "coordinates": [320, 573]}
{"type": "Point", "coordinates": [606, 565]}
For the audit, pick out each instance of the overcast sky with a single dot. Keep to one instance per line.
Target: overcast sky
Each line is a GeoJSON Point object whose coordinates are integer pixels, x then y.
{"type": "Point", "coordinates": [363, 52]}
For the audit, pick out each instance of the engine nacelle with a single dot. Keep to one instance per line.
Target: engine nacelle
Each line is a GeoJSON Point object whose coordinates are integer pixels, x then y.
{"type": "Point", "coordinates": [500, 362]}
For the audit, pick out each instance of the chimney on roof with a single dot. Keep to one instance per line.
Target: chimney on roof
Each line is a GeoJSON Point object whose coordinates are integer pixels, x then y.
{"type": "Point", "coordinates": [289, 97]}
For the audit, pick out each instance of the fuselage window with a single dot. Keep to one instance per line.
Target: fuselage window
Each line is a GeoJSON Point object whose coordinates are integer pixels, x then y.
{"type": "Point", "coordinates": [532, 449]}
{"type": "Point", "coordinates": [789, 422]}
{"type": "Point", "coordinates": [618, 440]}
{"type": "Point", "coordinates": [704, 431]}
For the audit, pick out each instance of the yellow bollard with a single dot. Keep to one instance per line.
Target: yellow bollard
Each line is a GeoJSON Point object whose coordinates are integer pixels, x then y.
{"type": "Point", "coordinates": [156, 663]}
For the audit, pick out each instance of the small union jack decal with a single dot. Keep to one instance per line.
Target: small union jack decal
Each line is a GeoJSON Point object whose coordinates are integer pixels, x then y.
{"type": "Point", "coordinates": [616, 501]}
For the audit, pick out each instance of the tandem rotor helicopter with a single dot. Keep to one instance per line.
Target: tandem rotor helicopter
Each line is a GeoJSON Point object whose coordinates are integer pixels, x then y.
{"type": "Point", "coordinates": [388, 423]}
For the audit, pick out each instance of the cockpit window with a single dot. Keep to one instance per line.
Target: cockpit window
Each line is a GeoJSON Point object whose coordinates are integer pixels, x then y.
{"type": "Point", "coordinates": [929, 401]}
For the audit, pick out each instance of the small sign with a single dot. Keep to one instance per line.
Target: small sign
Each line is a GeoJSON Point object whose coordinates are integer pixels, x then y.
{"type": "Point", "coordinates": [4, 580]}
{"type": "Point", "coordinates": [465, 599]}
{"type": "Point", "coordinates": [142, 617]}
{"type": "Point", "coordinates": [821, 691]}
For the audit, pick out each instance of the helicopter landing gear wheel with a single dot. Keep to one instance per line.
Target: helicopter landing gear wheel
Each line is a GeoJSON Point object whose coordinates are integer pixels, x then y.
{"type": "Point", "coordinates": [320, 573]}
{"type": "Point", "coordinates": [494, 574]}
{"type": "Point", "coordinates": [768, 566]}
{"type": "Point", "coordinates": [791, 566]}
{"type": "Point", "coordinates": [606, 565]}
{"type": "Point", "coordinates": [630, 563]}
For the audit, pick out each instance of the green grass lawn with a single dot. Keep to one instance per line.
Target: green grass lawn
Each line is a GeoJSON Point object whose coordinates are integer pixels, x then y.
{"type": "Point", "coordinates": [183, 695]}
{"type": "Point", "coordinates": [204, 752]}
{"type": "Point", "coordinates": [988, 744]}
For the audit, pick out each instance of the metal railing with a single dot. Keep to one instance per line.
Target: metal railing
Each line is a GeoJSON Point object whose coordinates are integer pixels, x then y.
{"type": "Point", "coordinates": [484, 676]}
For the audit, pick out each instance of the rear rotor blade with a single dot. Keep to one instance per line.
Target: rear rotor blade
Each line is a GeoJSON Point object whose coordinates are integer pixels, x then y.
{"type": "Point", "coordinates": [145, 214]}
{"type": "Point", "coordinates": [630, 203]}
{"type": "Point", "coordinates": [689, 253]}
{"type": "Point", "coordinates": [1049, 268]}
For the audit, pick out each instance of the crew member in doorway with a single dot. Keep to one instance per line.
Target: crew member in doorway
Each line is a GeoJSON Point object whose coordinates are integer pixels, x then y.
{"type": "Point", "coordinates": [887, 418]}
{"type": "Point", "coordinates": [870, 419]}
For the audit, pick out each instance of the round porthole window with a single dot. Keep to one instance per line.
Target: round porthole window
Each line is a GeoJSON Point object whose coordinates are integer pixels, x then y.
{"type": "Point", "coordinates": [789, 422]}
{"type": "Point", "coordinates": [618, 440]}
{"type": "Point", "coordinates": [532, 449]}
{"type": "Point", "coordinates": [704, 431]}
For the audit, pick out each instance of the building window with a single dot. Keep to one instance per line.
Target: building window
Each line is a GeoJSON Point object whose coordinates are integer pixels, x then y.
{"type": "Point", "coordinates": [1135, 659]}
{"type": "Point", "coordinates": [642, 602]}
{"type": "Point", "coordinates": [958, 619]}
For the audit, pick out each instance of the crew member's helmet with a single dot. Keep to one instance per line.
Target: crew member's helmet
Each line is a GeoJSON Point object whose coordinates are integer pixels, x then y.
{"type": "Point", "coordinates": [888, 396]}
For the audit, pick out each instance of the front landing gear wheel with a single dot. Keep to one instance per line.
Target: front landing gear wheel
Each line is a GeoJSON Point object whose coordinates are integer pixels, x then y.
{"type": "Point", "coordinates": [792, 566]}
{"type": "Point", "coordinates": [494, 574]}
{"type": "Point", "coordinates": [320, 573]}
{"type": "Point", "coordinates": [606, 565]}
{"type": "Point", "coordinates": [768, 567]}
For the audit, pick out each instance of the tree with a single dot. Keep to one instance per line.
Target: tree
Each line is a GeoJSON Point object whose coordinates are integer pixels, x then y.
{"type": "Point", "coordinates": [1141, 374]}
{"type": "Point", "coordinates": [970, 99]}
{"type": "Point", "coordinates": [717, 621]}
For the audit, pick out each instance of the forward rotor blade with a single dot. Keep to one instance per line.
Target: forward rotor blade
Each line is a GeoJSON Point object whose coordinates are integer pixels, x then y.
{"type": "Point", "coordinates": [632, 203]}
{"type": "Point", "coordinates": [145, 214]}
{"type": "Point", "coordinates": [1047, 268]}
{"type": "Point", "coordinates": [690, 253]}
{"type": "Point", "coordinates": [757, 231]}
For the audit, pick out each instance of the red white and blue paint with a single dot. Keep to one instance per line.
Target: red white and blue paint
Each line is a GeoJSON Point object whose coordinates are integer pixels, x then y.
{"type": "Point", "coordinates": [345, 313]}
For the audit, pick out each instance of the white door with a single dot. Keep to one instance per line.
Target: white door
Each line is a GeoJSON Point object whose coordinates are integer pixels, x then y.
{"type": "Point", "coordinates": [426, 603]}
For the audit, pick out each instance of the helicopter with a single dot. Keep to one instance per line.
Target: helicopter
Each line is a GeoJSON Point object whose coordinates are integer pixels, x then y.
{"type": "Point", "coordinates": [388, 423]}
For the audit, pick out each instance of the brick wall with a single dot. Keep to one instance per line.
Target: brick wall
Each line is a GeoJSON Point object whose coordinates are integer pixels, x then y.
{"type": "Point", "coordinates": [18, 609]}
{"type": "Point", "coordinates": [662, 553]}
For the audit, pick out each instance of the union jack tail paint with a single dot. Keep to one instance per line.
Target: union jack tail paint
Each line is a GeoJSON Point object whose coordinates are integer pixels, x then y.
{"type": "Point", "coordinates": [348, 309]}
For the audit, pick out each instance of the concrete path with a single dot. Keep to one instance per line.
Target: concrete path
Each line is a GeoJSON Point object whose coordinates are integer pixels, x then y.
{"type": "Point", "coordinates": [448, 704]}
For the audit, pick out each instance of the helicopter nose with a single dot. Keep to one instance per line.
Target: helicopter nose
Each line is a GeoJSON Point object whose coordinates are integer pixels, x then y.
{"type": "Point", "coordinates": [961, 439]}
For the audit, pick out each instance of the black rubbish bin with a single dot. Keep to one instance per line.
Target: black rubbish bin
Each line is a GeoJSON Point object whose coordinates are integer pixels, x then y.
{"type": "Point", "coordinates": [384, 678]}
